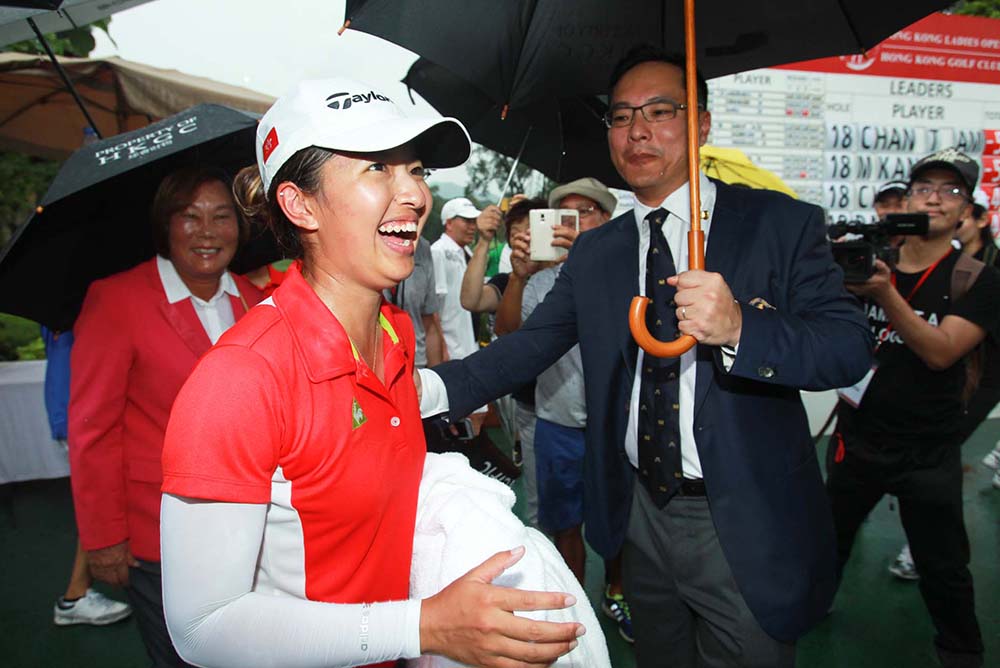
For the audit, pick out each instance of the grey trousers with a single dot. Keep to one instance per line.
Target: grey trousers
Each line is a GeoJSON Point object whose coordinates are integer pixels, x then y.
{"type": "Point", "coordinates": [687, 611]}
{"type": "Point", "coordinates": [145, 595]}
{"type": "Point", "coordinates": [525, 419]}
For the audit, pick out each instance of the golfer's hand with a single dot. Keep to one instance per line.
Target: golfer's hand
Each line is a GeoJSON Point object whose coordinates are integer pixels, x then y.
{"type": "Point", "coordinates": [488, 221]}
{"type": "Point", "coordinates": [472, 621]}
{"type": "Point", "coordinates": [110, 564]}
{"type": "Point", "coordinates": [706, 309]}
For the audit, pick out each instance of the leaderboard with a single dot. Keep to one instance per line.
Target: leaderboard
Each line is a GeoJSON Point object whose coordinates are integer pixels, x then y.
{"type": "Point", "coordinates": [834, 129]}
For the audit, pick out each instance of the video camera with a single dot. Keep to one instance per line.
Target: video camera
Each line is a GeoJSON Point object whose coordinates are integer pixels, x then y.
{"type": "Point", "coordinates": [857, 258]}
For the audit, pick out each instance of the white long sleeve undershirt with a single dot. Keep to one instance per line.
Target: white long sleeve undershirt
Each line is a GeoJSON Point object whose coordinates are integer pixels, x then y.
{"type": "Point", "coordinates": [209, 554]}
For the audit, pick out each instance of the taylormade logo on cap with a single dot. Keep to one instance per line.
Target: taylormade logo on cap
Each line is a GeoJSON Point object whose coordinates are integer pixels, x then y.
{"type": "Point", "coordinates": [341, 114]}
{"type": "Point", "coordinates": [352, 98]}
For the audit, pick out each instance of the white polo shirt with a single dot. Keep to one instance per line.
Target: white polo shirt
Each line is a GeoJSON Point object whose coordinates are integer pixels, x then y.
{"type": "Point", "coordinates": [456, 322]}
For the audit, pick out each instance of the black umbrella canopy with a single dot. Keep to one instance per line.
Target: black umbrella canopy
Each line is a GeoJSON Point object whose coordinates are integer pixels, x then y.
{"type": "Point", "coordinates": [522, 51]}
{"type": "Point", "coordinates": [94, 219]}
{"type": "Point", "coordinates": [566, 138]}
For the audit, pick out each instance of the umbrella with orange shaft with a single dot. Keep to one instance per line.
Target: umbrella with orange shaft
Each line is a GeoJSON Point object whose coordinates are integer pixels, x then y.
{"type": "Point", "coordinates": [696, 237]}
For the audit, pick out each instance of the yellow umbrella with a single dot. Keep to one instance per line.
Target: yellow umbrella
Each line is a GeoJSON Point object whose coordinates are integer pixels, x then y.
{"type": "Point", "coordinates": [733, 166]}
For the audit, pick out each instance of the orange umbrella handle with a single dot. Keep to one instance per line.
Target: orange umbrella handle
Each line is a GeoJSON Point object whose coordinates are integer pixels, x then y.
{"type": "Point", "coordinates": [637, 323]}
{"type": "Point", "coordinates": [637, 311]}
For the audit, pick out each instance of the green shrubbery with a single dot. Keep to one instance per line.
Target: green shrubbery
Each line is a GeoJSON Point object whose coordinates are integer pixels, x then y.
{"type": "Point", "coordinates": [20, 339]}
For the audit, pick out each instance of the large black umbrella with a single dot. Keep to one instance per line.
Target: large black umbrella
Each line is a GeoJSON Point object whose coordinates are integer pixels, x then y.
{"type": "Point", "coordinates": [565, 139]}
{"type": "Point", "coordinates": [522, 51]}
{"type": "Point", "coordinates": [94, 219]}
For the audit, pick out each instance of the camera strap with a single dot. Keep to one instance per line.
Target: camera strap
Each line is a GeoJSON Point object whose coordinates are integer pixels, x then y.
{"type": "Point", "coordinates": [923, 279]}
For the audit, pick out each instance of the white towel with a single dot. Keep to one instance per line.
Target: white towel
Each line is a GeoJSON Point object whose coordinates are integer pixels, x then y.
{"type": "Point", "coordinates": [463, 518]}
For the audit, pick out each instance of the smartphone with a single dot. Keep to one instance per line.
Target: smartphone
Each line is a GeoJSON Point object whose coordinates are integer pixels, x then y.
{"type": "Point", "coordinates": [463, 427]}
{"type": "Point", "coordinates": [541, 222]}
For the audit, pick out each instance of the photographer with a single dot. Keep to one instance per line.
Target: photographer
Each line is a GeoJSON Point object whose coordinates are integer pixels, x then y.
{"type": "Point", "coordinates": [898, 430]}
{"type": "Point", "coordinates": [890, 198]}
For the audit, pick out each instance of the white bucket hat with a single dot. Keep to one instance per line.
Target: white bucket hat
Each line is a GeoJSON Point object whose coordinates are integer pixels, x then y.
{"type": "Point", "coordinates": [587, 187]}
{"type": "Point", "coordinates": [346, 115]}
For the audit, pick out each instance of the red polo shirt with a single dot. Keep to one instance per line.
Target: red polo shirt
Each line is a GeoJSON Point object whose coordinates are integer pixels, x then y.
{"type": "Point", "coordinates": [282, 412]}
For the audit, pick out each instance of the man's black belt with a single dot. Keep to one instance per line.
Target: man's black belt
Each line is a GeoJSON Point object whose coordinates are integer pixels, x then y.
{"type": "Point", "coordinates": [692, 487]}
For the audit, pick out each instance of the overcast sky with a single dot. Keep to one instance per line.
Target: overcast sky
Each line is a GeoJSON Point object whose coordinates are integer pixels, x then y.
{"type": "Point", "coordinates": [265, 45]}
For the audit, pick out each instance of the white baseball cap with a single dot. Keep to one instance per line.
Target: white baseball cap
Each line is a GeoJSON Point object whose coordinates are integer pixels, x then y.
{"type": "Point", "coordinates": [461, 207]}
{"type": "Point", "coordinates": [342, 114]}
{"type": "Point", "coordinates": [896, 187]}
{"type": "Point", "coordinates": [979, 197]}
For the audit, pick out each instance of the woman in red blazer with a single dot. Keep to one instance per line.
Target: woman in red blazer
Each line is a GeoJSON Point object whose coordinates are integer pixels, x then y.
{"type": "Point", "coordinates": [138, 337]}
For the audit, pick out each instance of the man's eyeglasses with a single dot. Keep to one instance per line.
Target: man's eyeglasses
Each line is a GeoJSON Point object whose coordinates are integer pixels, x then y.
{"type": "Point", "coordinates": [585, 210]}
{"type": "Point", "coordinates": [946, 192]}
{"type": "Point", "coordinates": [656, 111]}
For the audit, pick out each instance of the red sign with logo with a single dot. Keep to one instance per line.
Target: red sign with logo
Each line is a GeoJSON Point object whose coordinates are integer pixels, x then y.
{"type": "Point", "coordinates": [944, 47]}
{"type": "Point", "coordinates": [992, 142]}
{"type": "Point", "coordinates": [991, 170]}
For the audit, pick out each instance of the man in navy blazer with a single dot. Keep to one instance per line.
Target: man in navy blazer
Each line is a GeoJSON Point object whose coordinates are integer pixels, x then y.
{"type": "Point", "coordinates": [740, 561]}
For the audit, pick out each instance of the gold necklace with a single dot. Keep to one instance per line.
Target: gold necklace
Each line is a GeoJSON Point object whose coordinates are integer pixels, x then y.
{"type": "Point", "coordinates": [376, 352]}
{"type": "Point", "coordinates": [376, 358]}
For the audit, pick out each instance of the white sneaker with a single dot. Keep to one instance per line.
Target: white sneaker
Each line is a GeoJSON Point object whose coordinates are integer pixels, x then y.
{"type": "Point", "coordinates": [992, 460]}
{"type": "Point", "coordinates": [94, 608]}
{"type": "Point", "coordinates": [903, 568]}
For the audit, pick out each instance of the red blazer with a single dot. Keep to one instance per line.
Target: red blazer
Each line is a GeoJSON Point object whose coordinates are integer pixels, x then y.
{"type": "Point", "coordinates": [132, 352]}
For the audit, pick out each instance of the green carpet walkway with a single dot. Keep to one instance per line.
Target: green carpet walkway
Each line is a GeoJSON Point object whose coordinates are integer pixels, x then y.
{"type": "Point", "coordinates": [877, 621]}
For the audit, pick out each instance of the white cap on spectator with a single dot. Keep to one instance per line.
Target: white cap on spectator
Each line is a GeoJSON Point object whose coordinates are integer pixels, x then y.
{"type": "Point", "coordinates": [461, 207]}
{"type": "Point", "coordinates": [979, 197]}
{"type": "Point", "coordinates": [346, 115]}
{"type": "Point", "coordinates": [891, 187]}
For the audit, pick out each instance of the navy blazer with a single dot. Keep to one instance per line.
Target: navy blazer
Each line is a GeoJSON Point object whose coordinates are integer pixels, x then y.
{"type": "Point", "coordinates": [763, 480]}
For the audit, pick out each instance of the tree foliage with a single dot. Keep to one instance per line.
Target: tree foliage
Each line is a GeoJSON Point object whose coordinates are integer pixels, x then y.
{"type": "Point", "coordinates": [19, 339]}
{"type": "Point", "coordinates": [23, 181]}
{"type": "Point", "coordinates": [78, 42]}
{"type": "Point", "coordinates": [488, 170]}
{"type": "Point", "coordinates": [988, 8]}
{"type": "Point", "coordinates": [433, 228]}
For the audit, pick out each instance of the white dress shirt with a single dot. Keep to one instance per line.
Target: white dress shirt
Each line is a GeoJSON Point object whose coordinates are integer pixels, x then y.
{"type": "Point", "coordinates": [216, 314]}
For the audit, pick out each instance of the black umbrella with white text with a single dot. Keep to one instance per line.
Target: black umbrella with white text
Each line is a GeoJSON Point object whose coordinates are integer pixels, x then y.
{"type": "Point", "coordinates": [94, 219]}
